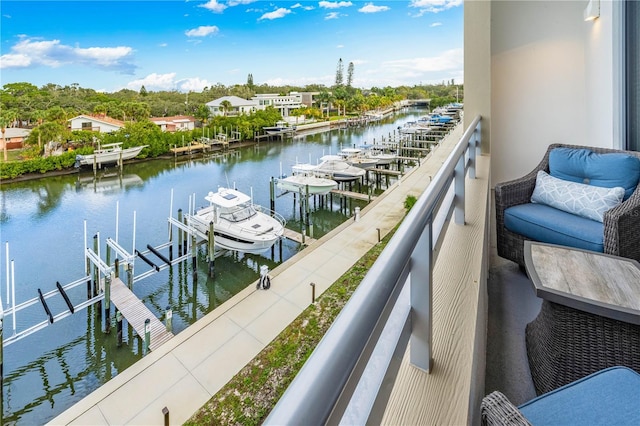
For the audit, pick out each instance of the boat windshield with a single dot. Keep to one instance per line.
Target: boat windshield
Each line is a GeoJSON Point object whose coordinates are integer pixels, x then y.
{"type": "Point", "coordinates": [239, 213]}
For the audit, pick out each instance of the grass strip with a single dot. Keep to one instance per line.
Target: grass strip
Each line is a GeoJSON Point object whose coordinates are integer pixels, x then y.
{"type": "Point", "coordinates": [248, 398]}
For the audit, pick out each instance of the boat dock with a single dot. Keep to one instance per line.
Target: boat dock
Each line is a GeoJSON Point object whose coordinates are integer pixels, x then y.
{"type": "Point", "coordinates": [298, 237]}
{"type": "Point", "coordinates": [136, 313]}
{"type": "Point", "coordinates": [190, 148]}
{"type": "Point", "coordinates": [354, 195]}
{"type": "Point", "coordinates": [181, 376]}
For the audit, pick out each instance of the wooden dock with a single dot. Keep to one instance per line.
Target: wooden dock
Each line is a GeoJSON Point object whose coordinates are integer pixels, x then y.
{"type": "Point", "coordinates": [355, 195]}
{"type": "Point", "coordinates": [297, 237]}
{"type": "Point", "coordinates": [193, 147]}
{"type": "Point", "coordinates": [135, 312]}
{"type": "Point", "coordinates": [385, 171]}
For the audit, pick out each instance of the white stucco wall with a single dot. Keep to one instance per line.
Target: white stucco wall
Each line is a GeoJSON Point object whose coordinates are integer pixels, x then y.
{"type": "Point", "coordinates": [551, 81]}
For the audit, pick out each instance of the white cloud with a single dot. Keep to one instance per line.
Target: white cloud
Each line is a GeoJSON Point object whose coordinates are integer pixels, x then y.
{"type": "Point", "coordinates": [214, 6]}
{"type": "Point", "coordinates": [156, 82]}
{"type": "Point", "coordinates": [193, 84]}
{"type": "Point", "coordinates": [276, 14]}
{"type": "Point", "coordinates": [202, 31]}
{"type": "Point", "coordinates": [232, 3]}
{"type": "Point", "coordinates": [331, 15]}
{"type": "Point", "coordinates": [340, 46]}
{"type": "Point", "coordinates": [449, 60]}
{"type": "Point", "coordinates": [371, 8]}
{"type": "Point", "coordinates": [334, 4]}
{"type": "Point", "coordinates": [434, 6]}
{"type": "Point", "coordinates": [436, 24]}
{"type": "Point", "coordinates": [51, 53]}
{"type": "Point", "coordinates": [168, 82]}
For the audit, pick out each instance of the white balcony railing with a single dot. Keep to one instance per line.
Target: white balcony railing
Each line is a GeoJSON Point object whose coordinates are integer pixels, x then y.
{"type": "Point", "coordinates": [345, 380]}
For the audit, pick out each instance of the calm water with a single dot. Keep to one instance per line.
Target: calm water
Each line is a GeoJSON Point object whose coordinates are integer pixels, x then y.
{"type": "Point", "coordinates": [44, 223]}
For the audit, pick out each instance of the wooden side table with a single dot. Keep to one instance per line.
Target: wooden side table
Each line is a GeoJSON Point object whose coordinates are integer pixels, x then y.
{"type": "Point", "coordinates": [590, 315]}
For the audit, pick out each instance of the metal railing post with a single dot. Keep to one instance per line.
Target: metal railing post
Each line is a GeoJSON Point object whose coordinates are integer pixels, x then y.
{"type": "Point", "coordinates": [421, 280]}
{"type": "Point", "coordinates": [458, 177]}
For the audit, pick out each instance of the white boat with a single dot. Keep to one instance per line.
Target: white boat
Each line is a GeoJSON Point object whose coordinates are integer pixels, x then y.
{"type": "Point", "coordinates": [108, 154]}
{"type": "Point", "coordinates": [304, 178]}
{"type": "Point", "coordinates": [380, 153]}
{"type": "Point", "coordinates": [357, 157]}
{"type": "Point", "coordinates": [238, 224]}
{"type": "Point", "coordinates": [281, 127]}
{"type": "Point", "coordinates": [334, 167]}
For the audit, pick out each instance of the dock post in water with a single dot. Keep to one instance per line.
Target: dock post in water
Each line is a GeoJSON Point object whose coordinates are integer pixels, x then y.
{"type": "Point", "coordinates": [194, 256]}
{"type": "Point", "coordinates": [147, 336]}
{"type": "Point", "coordinates": [180, 233]}
{"type": "Point", "coordinates": [119, 327]}
{"type": "Point", "coordinates": [211, 247]}
{"type": "Point", "coordinates": [168, 316]}
{"type": "Point", "coordinates": [107, 304]}
{"type": "Point", "coordinates": [272, 195]}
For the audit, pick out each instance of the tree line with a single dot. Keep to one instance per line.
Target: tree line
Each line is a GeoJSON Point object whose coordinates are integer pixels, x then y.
{"type": "Point", "coordinates": [46, 111]}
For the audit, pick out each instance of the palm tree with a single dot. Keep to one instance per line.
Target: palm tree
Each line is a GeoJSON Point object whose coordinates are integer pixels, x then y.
{"type": "Point", "coordinates": [226, 106]}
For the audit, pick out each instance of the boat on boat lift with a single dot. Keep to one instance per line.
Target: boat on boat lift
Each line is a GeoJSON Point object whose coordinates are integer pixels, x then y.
{"type": "Point", "coordinates": [108, 154]}
{"type": "Point", "coordinates": [334, 167]}
{"type": "Point", "coordinates": [305, 178]}
{"type": "Point", "coordinates": [238, 224]}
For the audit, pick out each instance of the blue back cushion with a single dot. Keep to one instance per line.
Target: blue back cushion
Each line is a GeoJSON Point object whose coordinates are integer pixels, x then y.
{"type": "Point", "coordinates": [606, 170]}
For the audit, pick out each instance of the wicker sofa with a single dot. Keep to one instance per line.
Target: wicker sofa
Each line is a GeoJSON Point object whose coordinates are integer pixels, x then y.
{"type": "Point", "coordinates": [607, 397]}
{"type": "Point", "coordinates": [620, 227]}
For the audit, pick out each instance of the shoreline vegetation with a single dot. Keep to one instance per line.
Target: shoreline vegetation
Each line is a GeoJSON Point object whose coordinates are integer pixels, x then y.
{"type": "Point", "coordinates": [46, 112]}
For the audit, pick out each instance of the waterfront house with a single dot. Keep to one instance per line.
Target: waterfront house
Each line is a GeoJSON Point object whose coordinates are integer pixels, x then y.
{"type": "Point", "coordinates": [14, 137]}
{"type": "Point", "coordinates": [95, 123]}
{"type": "Point", "coordinates": [535, 73]}
{"type": "Point", "coordinates": [178, 123]}
{"type": "Point", "coordinates": [283, 103]}
{"type": "Point", "coordinates": [232, 106]}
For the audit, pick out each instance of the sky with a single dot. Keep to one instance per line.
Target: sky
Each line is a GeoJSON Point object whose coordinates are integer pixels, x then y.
{"type": "Point", "coordinates": [189, 45]}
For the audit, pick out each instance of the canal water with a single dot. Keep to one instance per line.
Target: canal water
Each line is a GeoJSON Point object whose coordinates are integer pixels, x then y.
{"type": "Point", "coordinates": [43, 223]}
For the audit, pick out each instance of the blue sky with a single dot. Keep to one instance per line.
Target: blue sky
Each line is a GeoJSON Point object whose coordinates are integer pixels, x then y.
{"type": "Point", "coordinates": [189, 45]}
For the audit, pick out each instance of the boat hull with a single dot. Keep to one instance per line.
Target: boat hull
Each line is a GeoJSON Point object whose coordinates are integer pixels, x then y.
{"type": "Point", "coordinates": [108, 157]}
{"type": "Point", "coordinates": [315, 185]}
{"type": "Point", "coordinates": [254, 235]}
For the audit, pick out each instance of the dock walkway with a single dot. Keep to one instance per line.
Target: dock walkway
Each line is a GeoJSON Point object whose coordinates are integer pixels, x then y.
{"type": "Point", "coordinates": [184, 373]}
{"type": "Point", "coordinates": [136, 313]}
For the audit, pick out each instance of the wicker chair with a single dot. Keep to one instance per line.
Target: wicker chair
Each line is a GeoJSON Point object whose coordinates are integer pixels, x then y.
{"type": "Point", "coordinates": [621, 223]}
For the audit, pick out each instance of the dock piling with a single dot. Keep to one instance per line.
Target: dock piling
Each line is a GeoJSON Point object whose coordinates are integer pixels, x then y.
{"type": "Point", "coordinates": [147, 335]}
{"type": "Point", "coordinates": [168, 316]}
{"type": "Point", "coordinates": [211, 252]}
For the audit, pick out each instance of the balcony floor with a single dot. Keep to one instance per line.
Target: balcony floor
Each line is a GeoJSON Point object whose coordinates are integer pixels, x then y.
{"type": "Point", "coordinates": [512, 304]}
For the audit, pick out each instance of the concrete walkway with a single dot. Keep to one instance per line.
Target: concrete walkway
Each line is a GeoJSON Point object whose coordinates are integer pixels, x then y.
{"type": "Point", "coordinates": [184, 373]}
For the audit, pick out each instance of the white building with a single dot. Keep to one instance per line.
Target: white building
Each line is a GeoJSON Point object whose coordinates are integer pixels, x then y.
{"type": "Point", "coordinates": [178, 123]}
{"type": "Point", "coordinates": [238, 106]}
{"type": "Point", "coordinates": [285, 104]}
{"type": "Point", "coordinates": [95, 123]}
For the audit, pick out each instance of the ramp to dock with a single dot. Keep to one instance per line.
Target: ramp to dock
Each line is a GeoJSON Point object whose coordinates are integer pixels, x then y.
{"type": "Point", "coordinates": [136, 312]}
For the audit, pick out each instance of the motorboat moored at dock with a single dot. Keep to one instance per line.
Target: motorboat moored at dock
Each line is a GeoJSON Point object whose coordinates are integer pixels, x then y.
{"type": "Point", "coordinates": [108, 154]}
{"type": "Point", "coordinates": [238, 224]}
{"type": "Point", "coordinates": [304, 178]}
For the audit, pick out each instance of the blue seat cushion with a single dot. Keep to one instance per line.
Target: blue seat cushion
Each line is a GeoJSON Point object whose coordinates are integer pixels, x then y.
{"type": "Point", "coordinates": [607, 170]}
{"type": "Point", "coordinates": [607, 397]}
{"type": "Point", "coordinates": [546, 224]}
